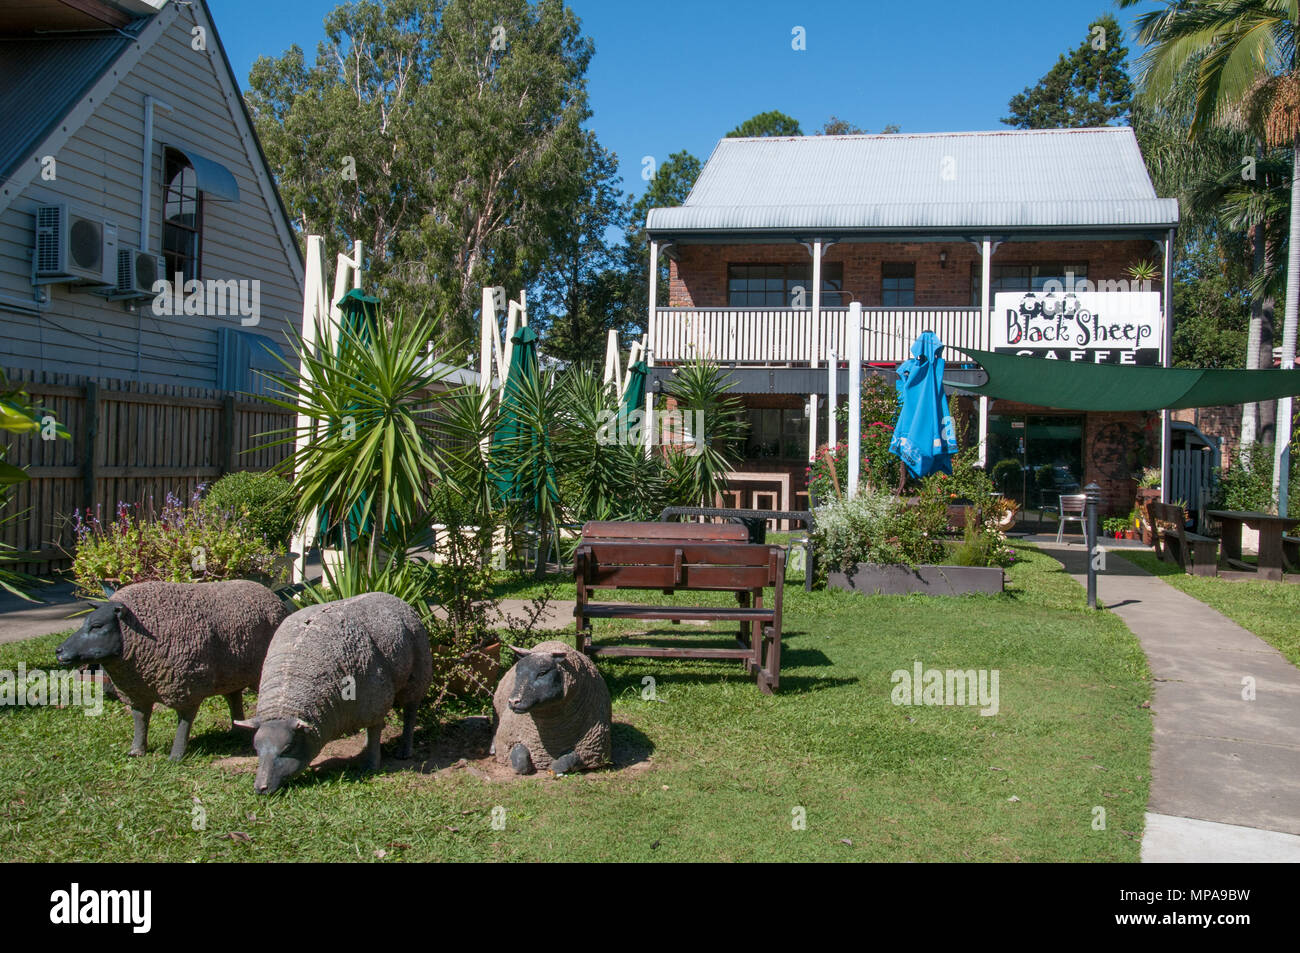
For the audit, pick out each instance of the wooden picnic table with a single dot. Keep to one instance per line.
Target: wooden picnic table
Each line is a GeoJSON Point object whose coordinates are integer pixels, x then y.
{"type": "Point", "coordinates": [1271, 529]}
{"type": "Point", "coordinates": [757, 521]}
{"type": "Point", "coordinates": [673, 557]}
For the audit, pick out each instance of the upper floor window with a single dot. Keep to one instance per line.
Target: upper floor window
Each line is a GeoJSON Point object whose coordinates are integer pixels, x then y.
{"type": "Point", "coordinates": [182, 231]}
{"type": "Point", "coordinates": [783, 286]}
{"type": "Point", "coordinates": [1028, 277]}
{"type": "Point", "coordinates": [897, 284]}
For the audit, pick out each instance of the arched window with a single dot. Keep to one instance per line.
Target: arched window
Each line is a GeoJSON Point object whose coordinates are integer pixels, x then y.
{"type": "Point", "coordinates": [182, 233]}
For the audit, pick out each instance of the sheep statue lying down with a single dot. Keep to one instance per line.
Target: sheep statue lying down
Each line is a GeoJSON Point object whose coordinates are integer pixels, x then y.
{"type": "Point", "coordinates": [178, 643]}
{"type": "Point", "coordinates": [332, 670]}
{"type": "Point", "coordinates": [553, 712]}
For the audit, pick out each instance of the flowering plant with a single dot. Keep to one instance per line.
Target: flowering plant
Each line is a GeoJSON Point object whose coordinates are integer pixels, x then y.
{"type": "Point", "coordinates": [182, 543]}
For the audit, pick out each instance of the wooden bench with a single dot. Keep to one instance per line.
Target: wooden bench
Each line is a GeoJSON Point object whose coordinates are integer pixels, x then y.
{"type": "Point", "coordinates": [1196, 554]}
{"type": "Point", "coordinates": [669, 565]}
{"type": "Point", "coordinates": [1291, 552]}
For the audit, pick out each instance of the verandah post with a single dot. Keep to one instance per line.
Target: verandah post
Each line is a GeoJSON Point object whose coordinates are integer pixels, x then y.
{"type": "Point", "coordinates": [854, 331]}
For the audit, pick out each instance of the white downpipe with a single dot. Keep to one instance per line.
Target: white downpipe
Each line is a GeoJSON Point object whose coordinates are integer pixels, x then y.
{"type": "Point", "coordinates": [146, 173]}
{"type": "Point", "coordinates": [652, 303]}
{"type": "Point", "coordinates": [986, 317]}
{"type": "Point", "coordinates": [854, 330]}
{"type": "Point", "coordinates": [812, 427]}
{"type": "Point", "coordinates": [815, 327]}
{"type": "Point", "coordinates": [832, 398]}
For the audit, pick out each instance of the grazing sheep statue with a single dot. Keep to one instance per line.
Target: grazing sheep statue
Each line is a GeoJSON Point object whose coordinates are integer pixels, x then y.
{"type": "Point", "coordinates": [178, 643]}
{"type": "Point", "coordinates": [332, 670]}
{"type": "Point", "coordinates": [553, 712]}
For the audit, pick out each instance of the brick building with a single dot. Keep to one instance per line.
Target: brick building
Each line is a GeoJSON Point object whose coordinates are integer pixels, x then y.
{"type": "Point", "coordinates": [1019, 241]}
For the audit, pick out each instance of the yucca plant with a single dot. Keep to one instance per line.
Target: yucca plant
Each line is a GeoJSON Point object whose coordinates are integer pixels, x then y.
{"type": "Point", "coordinates": [603, 478]}
{"type": "Point", "coordinates": [700, 389]}
{"type": "Point", "coordinates": [369, 410]}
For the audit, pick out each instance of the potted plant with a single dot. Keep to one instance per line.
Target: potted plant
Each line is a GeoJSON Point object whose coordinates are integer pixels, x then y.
{"type": "Point", "coordinates": [1148, 491]}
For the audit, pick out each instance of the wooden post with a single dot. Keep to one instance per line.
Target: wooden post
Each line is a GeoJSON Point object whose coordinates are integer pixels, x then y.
{"type": "Point", "coordinates": [228, 449]}
{"type": "Point", "coordinates": [89, 459]}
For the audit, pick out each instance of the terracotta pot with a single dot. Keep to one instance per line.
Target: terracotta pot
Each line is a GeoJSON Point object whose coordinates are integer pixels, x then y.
{"type": "Point", "coordinates": [485, 663]}
{"type": "Point", "coordinates": [1147, 494]}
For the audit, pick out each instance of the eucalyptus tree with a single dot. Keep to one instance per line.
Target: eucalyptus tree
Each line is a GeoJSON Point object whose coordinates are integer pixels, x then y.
{"type": "Point", "coordinates": [1247, 76]}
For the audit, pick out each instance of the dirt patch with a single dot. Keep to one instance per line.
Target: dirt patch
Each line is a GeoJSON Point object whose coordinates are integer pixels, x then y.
{"type": "Point", "coordinates": [461, 746]}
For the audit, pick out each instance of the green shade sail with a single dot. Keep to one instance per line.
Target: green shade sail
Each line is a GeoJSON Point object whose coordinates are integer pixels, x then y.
{"type": "Point", "coordinates": [1069, 385]}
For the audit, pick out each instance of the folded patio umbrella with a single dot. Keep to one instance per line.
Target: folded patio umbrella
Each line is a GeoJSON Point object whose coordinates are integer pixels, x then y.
{"type": "Point", "coordinates": [924, 438]}
{"type": "Point", "coordinates": [634, 396]}
{"type": "Point", "coordinates": [516, 441]}
{"type": "Point", "coordinates": [1071, 385]}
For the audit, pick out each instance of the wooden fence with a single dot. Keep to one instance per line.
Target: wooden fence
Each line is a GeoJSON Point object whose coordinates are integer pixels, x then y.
{"type": "Point", "coordinates": [129, 442]}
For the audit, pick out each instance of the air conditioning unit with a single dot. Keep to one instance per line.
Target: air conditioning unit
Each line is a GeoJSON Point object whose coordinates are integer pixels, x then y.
{"type": "Point", "coordinates": [74, 247]}
{"type": "Point", "coordinates": [137, 271]}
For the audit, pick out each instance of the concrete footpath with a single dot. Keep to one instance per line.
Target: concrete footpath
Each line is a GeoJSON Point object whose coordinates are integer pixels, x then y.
{"type": "Point", "coordinates": [55, 612]}
{"type": "Point", "coordinates": [1225, 772]}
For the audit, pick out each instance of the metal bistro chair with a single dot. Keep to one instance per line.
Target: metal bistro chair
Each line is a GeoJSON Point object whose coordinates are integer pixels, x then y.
{"type": "Point", "coordinates": [1072, 506]}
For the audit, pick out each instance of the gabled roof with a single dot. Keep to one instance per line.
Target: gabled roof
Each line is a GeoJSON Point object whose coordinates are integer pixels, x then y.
{"type": "Point", "coordinates": [43, 77]}
{"type": "Point", "coordinates": [1001, 180]}
{"type": "Point", "coordinates": [43, 80]}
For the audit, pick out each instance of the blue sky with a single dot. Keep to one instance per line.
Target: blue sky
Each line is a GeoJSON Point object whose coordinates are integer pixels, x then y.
{"type": "Point", "coordinates": [674, 74]}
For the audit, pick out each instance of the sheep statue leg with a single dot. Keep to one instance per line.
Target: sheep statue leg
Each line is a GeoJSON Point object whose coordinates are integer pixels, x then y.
{"type": "Point", "coordinates": [372, 747]}
{"type": "Point", "coordinates": [520, 759]}
{"type": "Point", "coordinates": [185, 720]}
{"type": "Point", "coordinates": [236, 702]}
{"type": "Point", "coordinates": [566, 763]}
{"type": "Point", "coordinates": [140, 740]}
{"type": "Point", "coordinates": [408, 733]}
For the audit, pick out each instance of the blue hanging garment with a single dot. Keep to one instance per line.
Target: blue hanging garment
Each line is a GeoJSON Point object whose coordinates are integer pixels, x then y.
{"type": "Point", "coordinates": [924, 438]}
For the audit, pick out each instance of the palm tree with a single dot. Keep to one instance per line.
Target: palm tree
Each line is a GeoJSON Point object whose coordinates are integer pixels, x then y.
{"type": "Point", "coordinates": [1247, 72]}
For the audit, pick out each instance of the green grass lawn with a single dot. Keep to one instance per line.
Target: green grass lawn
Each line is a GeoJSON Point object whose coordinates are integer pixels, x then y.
{"type": "Point", "coordinates": [723, 769]}
{"type": "Point", "coordinates": [1269, 609]}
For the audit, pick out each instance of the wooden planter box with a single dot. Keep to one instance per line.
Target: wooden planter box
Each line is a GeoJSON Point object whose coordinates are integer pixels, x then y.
{"type": "Point", "coordinates": [875, 579]}
{"type": "Point", "coordinates": [1145, 495]}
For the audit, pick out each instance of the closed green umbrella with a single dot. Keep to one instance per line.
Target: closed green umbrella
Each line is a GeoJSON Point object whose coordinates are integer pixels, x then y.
{"type": "Point", "coordinates": [634, 396]}
{"type": "Point", "coordinates": [360, 312]}
{"type": "Point", "coordinates": [521, 466]}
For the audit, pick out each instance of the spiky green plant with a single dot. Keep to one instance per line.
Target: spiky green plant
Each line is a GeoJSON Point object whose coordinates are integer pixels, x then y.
{"type": "Point", "coordinates": [369, 410]}
{"type": "Point", "coordinates": [700, 387]}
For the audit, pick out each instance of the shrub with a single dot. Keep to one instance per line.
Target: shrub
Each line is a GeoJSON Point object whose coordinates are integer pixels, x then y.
{"type": "Point", "coordinates": [983, 544]}
{"type": "Point", "coordinates": [1248, 483]}
{"type": "Point", "coordinates": [876, 527]}
{"type": "Point", "coordinates": [182, 544]}
{"type": "Point", "coordinates": [262, 501]}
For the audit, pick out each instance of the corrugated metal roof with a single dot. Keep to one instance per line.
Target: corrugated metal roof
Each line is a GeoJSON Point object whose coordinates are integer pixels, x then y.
{"type": "Point", "coordinates": [1004, 179]}
{"type": "Point", "coordinates": [42, 78]}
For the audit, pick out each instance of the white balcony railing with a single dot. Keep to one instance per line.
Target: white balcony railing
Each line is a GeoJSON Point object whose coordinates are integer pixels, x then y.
{"type": "Point", "coordinates": [788, 335]}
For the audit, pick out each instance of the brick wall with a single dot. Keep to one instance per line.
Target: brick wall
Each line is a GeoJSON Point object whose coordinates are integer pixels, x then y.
{"type": "Point", "coordinates": [1222, 422]}
{"type": "Point", "coordinates": [698, 277]}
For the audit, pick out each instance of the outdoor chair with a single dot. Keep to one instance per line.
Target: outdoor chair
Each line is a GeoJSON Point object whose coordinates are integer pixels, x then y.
{"type": "Point", "coordinates": [1072, 506]}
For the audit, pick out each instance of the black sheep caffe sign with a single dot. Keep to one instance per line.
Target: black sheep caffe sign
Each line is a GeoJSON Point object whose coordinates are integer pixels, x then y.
{"type": "Point", "coordinates": [1096, 327]}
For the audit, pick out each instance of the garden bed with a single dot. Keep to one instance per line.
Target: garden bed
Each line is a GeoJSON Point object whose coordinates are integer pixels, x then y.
{"type": "Point", "coordinates": [875, 579]}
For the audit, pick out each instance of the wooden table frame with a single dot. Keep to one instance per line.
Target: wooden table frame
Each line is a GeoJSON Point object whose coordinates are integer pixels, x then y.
{"type": "Point", "coordinates": [611, 557]}
{"type": "Point", "coordinates": [1271, 530]}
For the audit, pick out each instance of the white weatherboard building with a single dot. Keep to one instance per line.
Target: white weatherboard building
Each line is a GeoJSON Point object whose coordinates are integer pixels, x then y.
{"type": "Point", "coordinates": [128, 157]}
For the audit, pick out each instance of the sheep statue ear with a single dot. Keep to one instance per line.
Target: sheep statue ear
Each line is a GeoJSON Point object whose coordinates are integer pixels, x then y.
{"type": "Point", "coordinates": [249, 723]}
{"type": "Point", "coordinates": [518, 651]}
